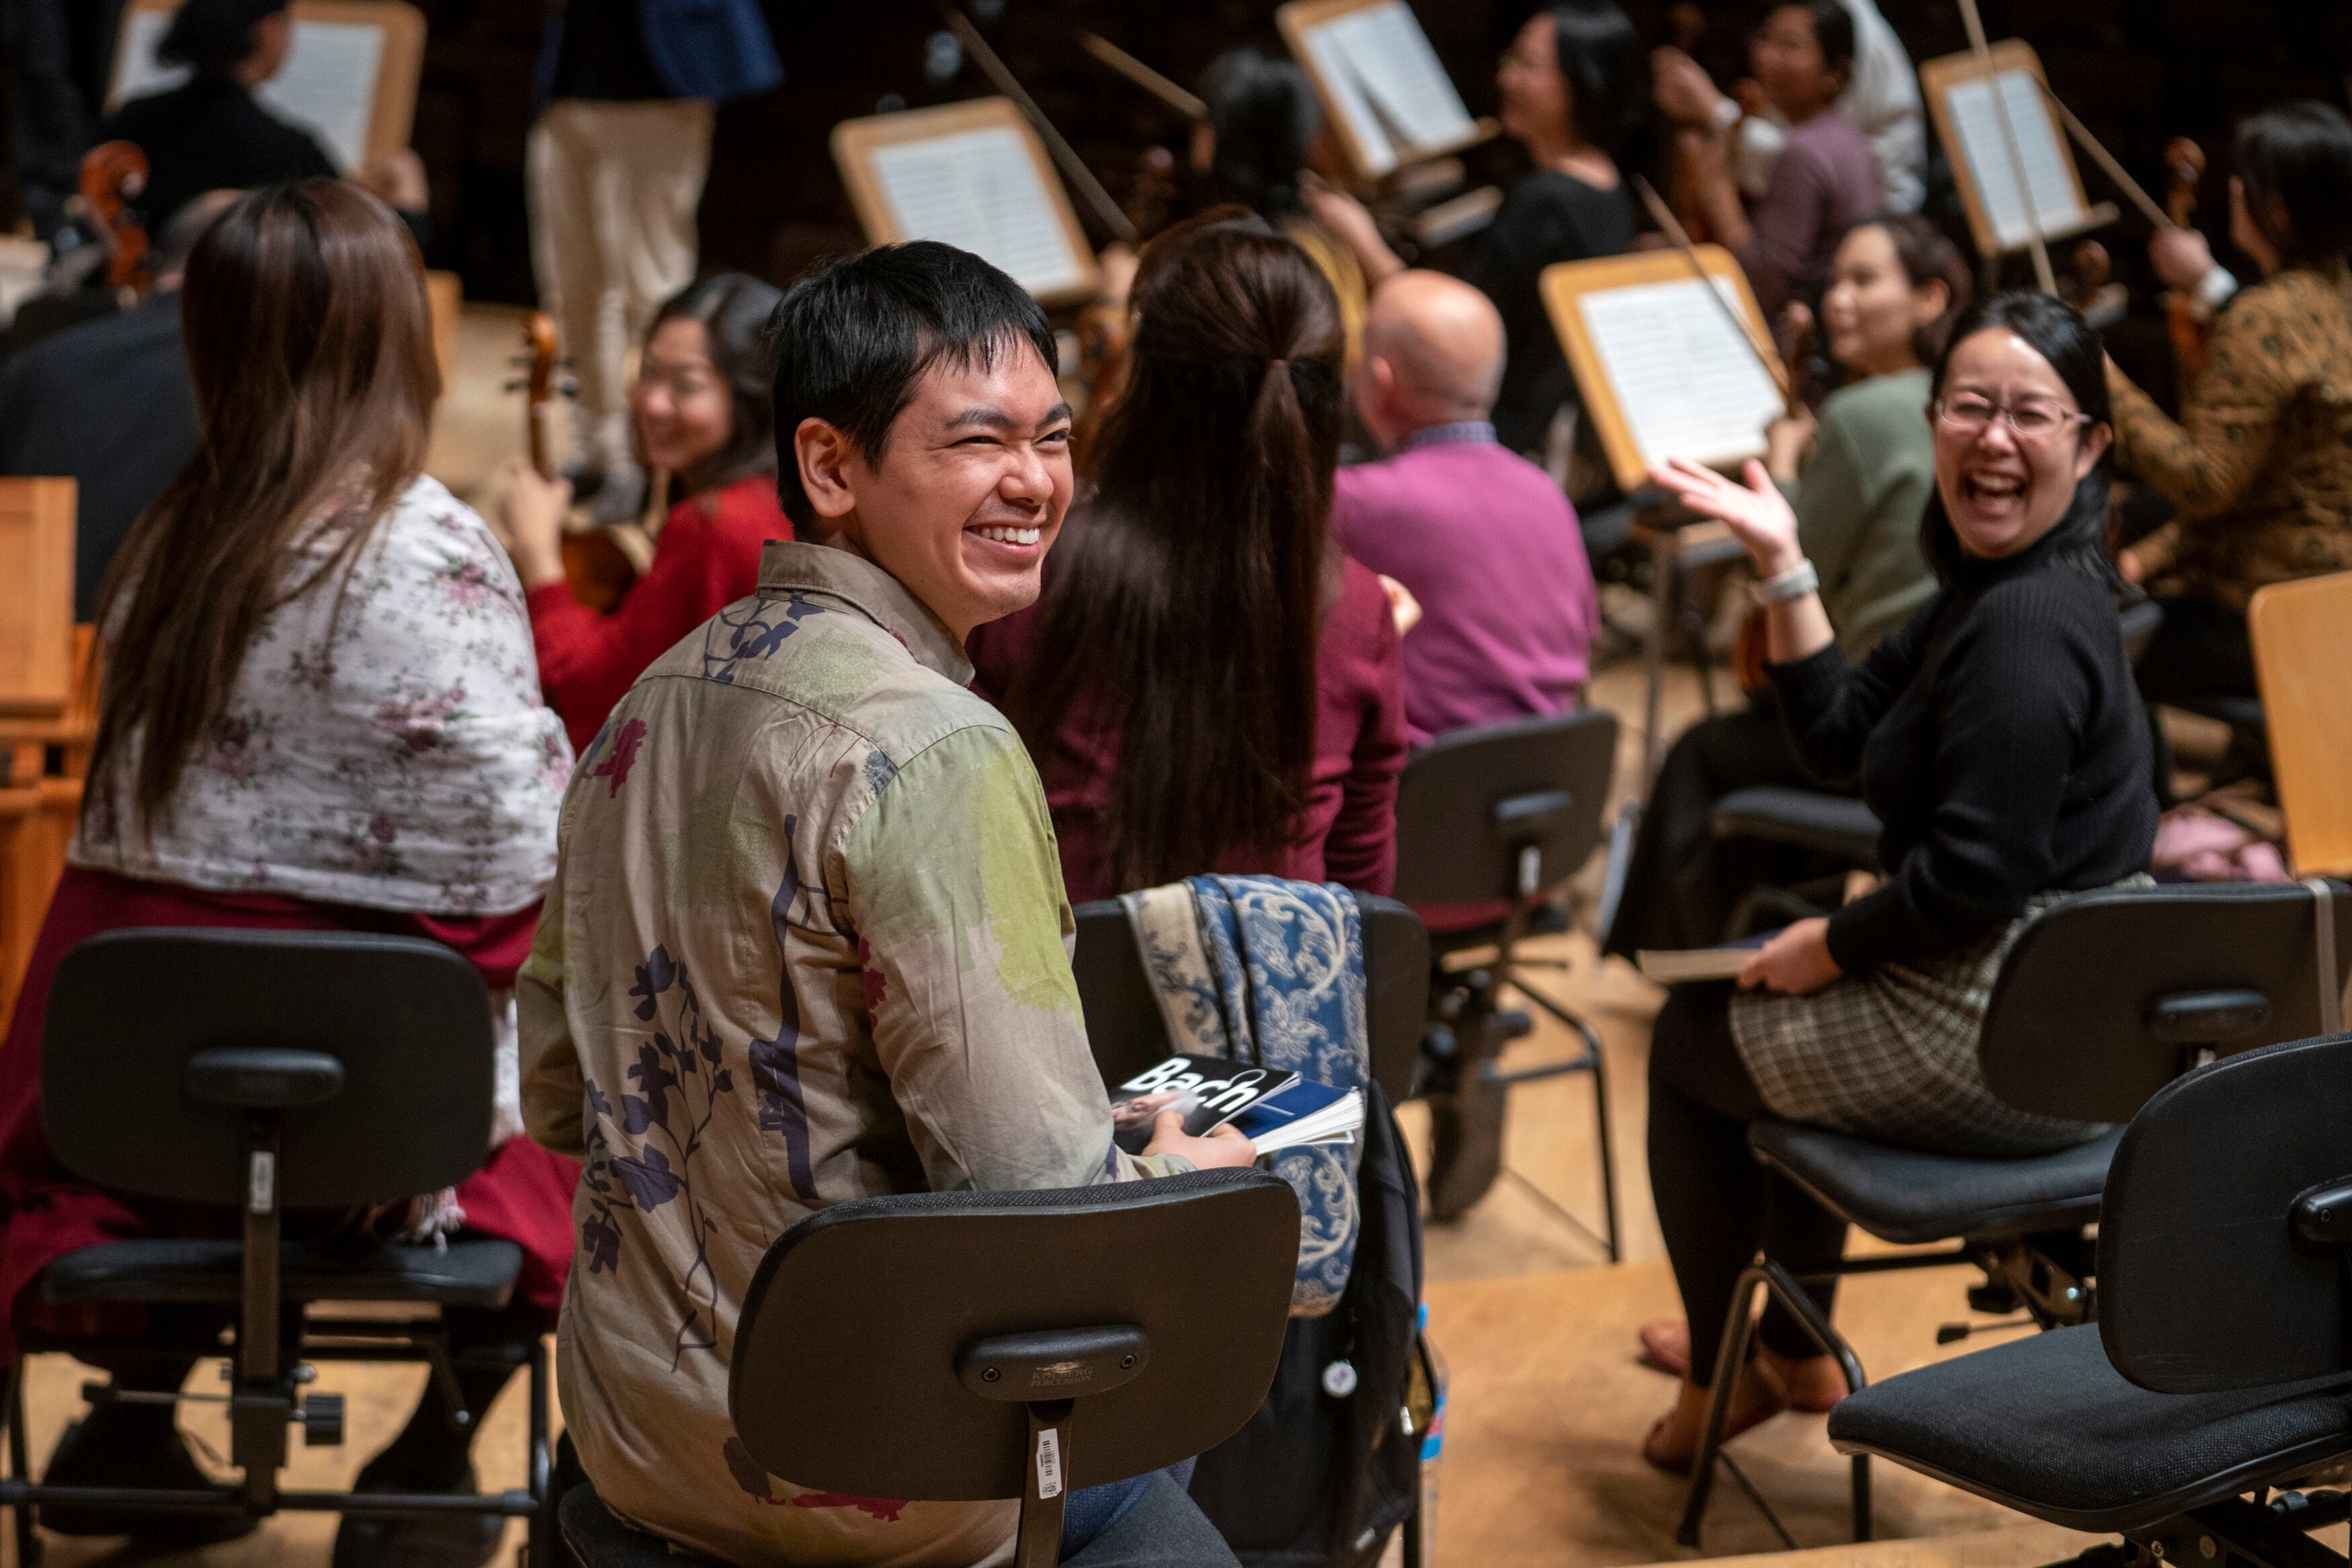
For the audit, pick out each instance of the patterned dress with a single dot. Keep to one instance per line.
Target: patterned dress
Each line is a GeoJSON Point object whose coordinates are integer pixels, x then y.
{"type": "Point", "coordinates": [807, 942]}
{"type": "Point", "coordinates": [2260, 461]}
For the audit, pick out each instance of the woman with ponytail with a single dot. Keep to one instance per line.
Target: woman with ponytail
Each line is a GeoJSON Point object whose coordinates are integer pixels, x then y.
{"type": "Point", "coordinates": [1206, 684]}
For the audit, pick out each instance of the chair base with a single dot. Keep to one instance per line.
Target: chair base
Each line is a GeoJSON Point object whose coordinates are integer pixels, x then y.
{"type": "Point", "coordinates": [258, 1497]}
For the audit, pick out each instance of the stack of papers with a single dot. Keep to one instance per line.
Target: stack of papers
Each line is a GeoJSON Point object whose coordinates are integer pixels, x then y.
{"type": "Point", "coordinates": [1301, 1114]}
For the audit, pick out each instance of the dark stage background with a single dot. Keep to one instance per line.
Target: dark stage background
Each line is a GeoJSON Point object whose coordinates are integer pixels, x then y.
{"type": "Point", "coordinates": [2137, 71]}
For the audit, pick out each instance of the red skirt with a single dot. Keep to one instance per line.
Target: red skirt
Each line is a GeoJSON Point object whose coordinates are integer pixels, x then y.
{"type": "Point", "coordinates": [522, 1195]}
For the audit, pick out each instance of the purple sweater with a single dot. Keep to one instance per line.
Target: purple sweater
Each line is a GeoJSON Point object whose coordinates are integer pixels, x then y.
{"type": "Point", "coordinates": [1489, 546]}
{"type": "Point", "coordinates": [1826, 182]}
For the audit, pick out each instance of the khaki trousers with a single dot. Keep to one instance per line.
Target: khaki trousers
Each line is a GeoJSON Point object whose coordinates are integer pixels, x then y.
{"type": "Point", "coordinates": [613, 190]}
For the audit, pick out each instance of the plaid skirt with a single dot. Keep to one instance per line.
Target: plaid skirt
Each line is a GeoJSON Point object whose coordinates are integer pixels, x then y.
{"type": "Point", "coordinates": [1891, 1055]}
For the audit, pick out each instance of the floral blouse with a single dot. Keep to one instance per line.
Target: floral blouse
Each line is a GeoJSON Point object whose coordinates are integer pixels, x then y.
{"type": "Point", "coordinates": [384, 744]}
{"type": "Point", "coordinates": [807, 944]}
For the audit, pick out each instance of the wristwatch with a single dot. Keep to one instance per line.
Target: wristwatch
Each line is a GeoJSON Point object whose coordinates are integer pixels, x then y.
{"type": "Point", "coordinates": [1794, 583]}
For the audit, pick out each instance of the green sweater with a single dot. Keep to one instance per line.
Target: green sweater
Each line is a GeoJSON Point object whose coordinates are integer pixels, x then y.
{"type": "Point", "coordinates": [1859, 502]}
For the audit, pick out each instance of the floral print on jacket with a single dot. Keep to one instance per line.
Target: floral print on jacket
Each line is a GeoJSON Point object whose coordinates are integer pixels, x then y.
{"type": "Point", "coordinates": [383, 744]}
{"type": "Point", "coordinates": [807, 942]}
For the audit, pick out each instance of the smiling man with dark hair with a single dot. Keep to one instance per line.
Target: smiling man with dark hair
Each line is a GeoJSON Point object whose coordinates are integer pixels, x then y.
{"type": "Point", "coordinates": [808, 940]}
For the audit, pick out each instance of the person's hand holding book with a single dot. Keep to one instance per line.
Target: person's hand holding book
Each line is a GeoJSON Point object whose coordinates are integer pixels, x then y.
{"type": "Point", "coordinates": [1795, 962]}
{"type": "Point", "coordinates": [1221, 1149]}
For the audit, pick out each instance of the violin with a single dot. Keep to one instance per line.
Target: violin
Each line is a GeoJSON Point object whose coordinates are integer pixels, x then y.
{"type": "Point", "coordinates": [601, 564]}
{"type": "Point", "coordinates": [113, 176]}
{"type": "Point", "coordinates": [2184, 163]}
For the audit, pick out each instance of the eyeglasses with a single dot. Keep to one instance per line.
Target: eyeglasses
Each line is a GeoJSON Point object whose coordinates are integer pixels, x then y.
{"type": "Point", "coordinates": [1968, 415]}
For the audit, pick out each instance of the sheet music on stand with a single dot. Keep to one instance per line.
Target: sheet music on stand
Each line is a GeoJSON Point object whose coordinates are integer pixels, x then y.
{"type": "Point", "coordinates": [350, 78]}
{"type": "Point", "coordinates": [1379, 80]}
{"type": "Point", "coordinates": [1662, 370]}
{"type": "Point", "coordinates": [1975, 116]}
{"type": "Point", "coordinates": [972, 176]}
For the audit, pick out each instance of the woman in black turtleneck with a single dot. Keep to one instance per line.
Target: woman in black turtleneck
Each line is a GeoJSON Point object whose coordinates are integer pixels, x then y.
{"type": "Point", "coordinates": [1999, 739]}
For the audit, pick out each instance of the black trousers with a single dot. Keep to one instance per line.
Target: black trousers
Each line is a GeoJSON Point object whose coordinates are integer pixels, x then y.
{"type": "Point", "coordinates": [1716, 1205]}
{"type": "Point", "coordinates": [1683, 882]}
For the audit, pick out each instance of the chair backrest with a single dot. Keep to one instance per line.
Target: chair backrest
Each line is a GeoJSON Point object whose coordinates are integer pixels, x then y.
{"type": "Point", "coordinates": [1129, 1033]}
{"type": "Point", "coordinates": [2303, 662]}
{"type": "Point", "coordinates": [1503, 810]}
{"type": "Point", "coordinates": [2204, 1282]}
{"type": "Point", "coordinates": [143, 1022]}
{"type": "Point", "coordinates": [36, 562]}
{"type": "Point", "coordinates": [853, 1355]}
{"type": "Point", "coordinates": [2108, 997]}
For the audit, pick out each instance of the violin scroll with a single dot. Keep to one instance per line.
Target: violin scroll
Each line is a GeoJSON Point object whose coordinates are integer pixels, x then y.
{"type": "Point", "coordinates": [113, 176]}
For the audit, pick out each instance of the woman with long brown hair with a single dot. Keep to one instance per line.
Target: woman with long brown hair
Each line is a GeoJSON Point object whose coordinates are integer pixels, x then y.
{"type": "Point", "coordinates": [320, 712]}
{"type": "Point", "coordinates": [1206, 684]}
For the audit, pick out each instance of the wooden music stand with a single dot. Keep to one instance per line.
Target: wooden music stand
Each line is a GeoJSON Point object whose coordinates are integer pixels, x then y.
{"type": "Point", "coordinates": [1567, 286]}
{"type": "Point", "coordinates": [2303, 666]}
{"type": "Point", "coordinates": [2039, 137]}
{"type": "Point", "coordinates": [1750, 379]}
{"type": "Point", "coordinates": [36, 560]}
{"type": "Point", "coordinates": [399, 60]}
{"type": "Point", "coordinates": [44, 702]}
{"type": "Point", "coordinates": [1018, 179]}
{"type": "Point", "coordinates": [1369, 136]}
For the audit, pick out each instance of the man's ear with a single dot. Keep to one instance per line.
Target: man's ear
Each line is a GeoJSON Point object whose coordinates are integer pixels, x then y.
{"type": "Point", "coordinates": [825, 454]}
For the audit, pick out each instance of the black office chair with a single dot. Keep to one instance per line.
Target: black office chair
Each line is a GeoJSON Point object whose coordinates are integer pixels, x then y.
{"type": "Point", "coordinates": [1502, 814]}
{"type": "Point", "coordinates": [1838, 830]}
{"type": "Point", "coordinates": [1118, 1329]}
{"type": "Point", "coordinates": [2221, 1362]}
{"type": "Point", "coordinates": [258, 1071]}
{"type": "Point", "coordinates": [2101, 1001]}
{"type": "Point", "coordinates": [1129, 1033]}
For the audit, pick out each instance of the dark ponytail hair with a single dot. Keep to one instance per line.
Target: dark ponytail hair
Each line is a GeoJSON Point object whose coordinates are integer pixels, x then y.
{"type": "Point", "coordinates": [214, 37]}
{"type": "Point", "coordinates": [2055, 330]}
{"type": "Point", "coordinates": [1608, 72]}
{"type": "Point", "coordinates": [1266, 116]}
{"type": "Point", "coordinates": [734, 311]}
{"type": "Point", "coordinates": [2299, 155]}
{"type": "Point", "coordinates": [1186, 605]}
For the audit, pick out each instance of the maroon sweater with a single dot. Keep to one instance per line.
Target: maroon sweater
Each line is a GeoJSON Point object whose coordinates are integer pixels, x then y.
{"type": "Point", "coordinates": [1347, 833]}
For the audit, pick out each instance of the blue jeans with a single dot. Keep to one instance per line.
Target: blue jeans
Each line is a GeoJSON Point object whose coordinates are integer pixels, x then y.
{"type": "Point", "coordinates": [1093, 1510]}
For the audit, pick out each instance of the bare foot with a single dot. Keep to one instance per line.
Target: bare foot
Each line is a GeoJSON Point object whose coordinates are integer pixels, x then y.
{"type": "Point", "coordinates": [1665, 1346]}
{"type": "Point", "coordinates": [1673, 1443]}
{"type": "Point", "coordinates": [1815, 1383]}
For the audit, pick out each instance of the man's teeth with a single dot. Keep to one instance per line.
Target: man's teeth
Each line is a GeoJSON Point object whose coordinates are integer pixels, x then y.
{"type": "Point", "coordinates": [1010, 536]}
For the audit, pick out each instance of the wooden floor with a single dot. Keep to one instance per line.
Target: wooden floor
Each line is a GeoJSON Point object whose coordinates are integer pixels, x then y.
{"type": "Point", "coordinates": [1548, 1406]}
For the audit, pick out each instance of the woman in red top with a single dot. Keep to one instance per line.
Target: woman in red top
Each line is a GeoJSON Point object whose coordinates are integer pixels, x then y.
{"type": "Point", "coordinates": [1206, 684]}
{"type": "Point", "coordinates": [705, 411]}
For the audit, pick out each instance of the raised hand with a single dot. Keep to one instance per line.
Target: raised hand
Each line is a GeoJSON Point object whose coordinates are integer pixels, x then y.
{"type": "Point", "coordinates": [1755, 512]}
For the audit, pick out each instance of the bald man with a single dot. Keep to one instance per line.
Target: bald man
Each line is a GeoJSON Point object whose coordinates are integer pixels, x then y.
{"type": "Point", "coordinates": [1479, 535]}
